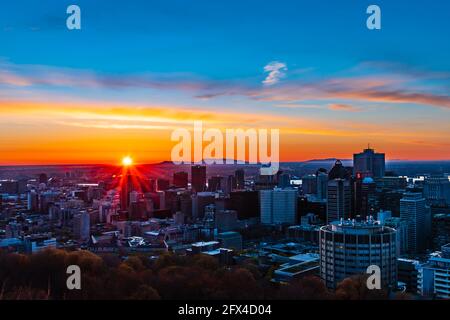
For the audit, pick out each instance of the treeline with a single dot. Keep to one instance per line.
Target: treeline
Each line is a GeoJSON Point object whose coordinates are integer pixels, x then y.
{"type": "Point", "coordinates": [43, 276]}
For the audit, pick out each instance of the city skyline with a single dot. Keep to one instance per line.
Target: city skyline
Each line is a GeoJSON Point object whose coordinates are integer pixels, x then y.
{"type": "Point", "coordinates": [135, 72]}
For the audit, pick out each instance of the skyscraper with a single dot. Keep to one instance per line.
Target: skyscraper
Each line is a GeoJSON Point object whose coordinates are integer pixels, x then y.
{"type": "Point", "coordinates": [309, 184]}
{"type": "Point", "coordinates": [339, 200]}
{"type": "Point", "coordinates": [215, 183]}
{"type": "Point", "coordinates": [284, 180]}
{"type": "Point", "coordinates": [348, 248]}
{"type": "Point", "coordinates": [322, 184]}
{"type": "Point", "coordinates": [365, 197]}
{"type": "Point", "coordinates": [32, 201]}
{"type": "Point", "coordinates": [240, 178]}
{"type": "Point", "coordinates": [278, 206]}
{"type": "Point", "coordinates": [436, 189]}
{"type": "Point", "coordinates": [180, 179]}
{"type": "Point", "coordinates": [413, 210]}
{"type": "Point", "coordinates": [125, 188]}
{"type": "Point", "coordinates": [198, 178]}
{"type": "Point", "coordinates": [81, 226]}
{"type": "Point", "coordinates": [369, 162]}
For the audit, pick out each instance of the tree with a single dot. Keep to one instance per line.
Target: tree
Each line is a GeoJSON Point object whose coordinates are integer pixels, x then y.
{"type": "Point", "coordinates": [355, 288]}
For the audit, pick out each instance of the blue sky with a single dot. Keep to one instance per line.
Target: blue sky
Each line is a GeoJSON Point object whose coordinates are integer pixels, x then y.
{"type": "Point", "coordinates": [223, 39]}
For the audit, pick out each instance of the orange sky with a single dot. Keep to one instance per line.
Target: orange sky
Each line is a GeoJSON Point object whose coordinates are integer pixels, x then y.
{"type": "Point", "coordinates": [55, 133]}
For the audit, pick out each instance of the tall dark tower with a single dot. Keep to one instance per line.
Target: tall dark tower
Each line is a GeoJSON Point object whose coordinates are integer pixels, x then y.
{"type": "Point", "coordinates": [339, 193]}
{"type": "Point", "coordinates": [125, 189]}
{"type": "Point", "coordinates": [198, 178]}
{"type": "Point", "coordinates": [240, 178]}
{"type": "Point", "coordinates": [369, 163]}
{"type": "Point", "coordinates": [180, 179]}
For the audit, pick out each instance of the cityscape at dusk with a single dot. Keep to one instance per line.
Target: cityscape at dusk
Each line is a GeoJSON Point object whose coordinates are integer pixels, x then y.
{"type": "Point", "coordinates": [224, 151]}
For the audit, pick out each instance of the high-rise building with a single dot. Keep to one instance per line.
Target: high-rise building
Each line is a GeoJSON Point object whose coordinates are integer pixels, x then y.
{"type": "Point", "coordinates": [125, 188]}
{"type": "Point", "coordinates": [436, 189]}
{"type": "Point", "coordinates": [230, 185]}
{"type": "Point", "coordinates": [339, 171]}
{"type": "Point", "coordinates": [309, 184]}
{"type": "Point", "coordinates": [246, 203]}
{"type": "Point", "coordinates": [180, 179]}
{"type": "Point", "coordinates": [440, 230]}
{"type": "Point", "coordinates": [408, 273]}
{"type": "Point", "coordinates": [369, 162]}
{"type": "Point", "coordinates": [240, 179]}
{"type": "Point", "coordinates": [163, 184]}
{"type": "Point", "coordinates": [215, 183]}
{"type": "Point", "coordinates": [401, 226]}
{"type": "Point", "coordinates": [339, 200]}
{"type": "Point", "coordinates": [284, 180]}
{"type": "Point", "coordinates": [278, 206]}
{"type": "Point", "coordinates": [322, 184]}
{"type": "Point", "coordinates": [413, 210]}
{"type": "Point", "coordinates": [365, 197]}
{"type": "Point", "coordinates": [32, 201]}
{"type": "Point", "coordinates": [81, 226]}
{"type": "Point", "coordinates": [198, 178]}
{"type": "Point", "coordinates": [434, 276]}
{"type": "Point", "coordinates": [348, 248]}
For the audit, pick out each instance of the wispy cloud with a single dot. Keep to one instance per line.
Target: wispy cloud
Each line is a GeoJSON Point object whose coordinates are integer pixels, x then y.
{"type": "Point", "coordinates": [276, 70]}
{"type": "Point", "coordinates": [377, 87]}
{"type": "Point", "coordinates": [342, 107]}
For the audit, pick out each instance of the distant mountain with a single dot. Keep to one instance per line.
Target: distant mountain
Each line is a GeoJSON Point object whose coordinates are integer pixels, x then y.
{"type": "Point", "coordinates": [328, 160]}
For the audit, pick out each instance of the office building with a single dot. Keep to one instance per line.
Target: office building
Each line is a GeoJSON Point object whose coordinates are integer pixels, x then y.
{"type": "Point", "coordinates": [408, 273]}
{"type": "Point", "coordinates": [322, 184]}
{"type": "Point", "coordinates": [348, 248]}
{"type": "Point", "coordinates": [434, 276]}
{"type": "Point", "coordinates": [369, 162]}
{"type": "Point", "coordinates": [440, 230]}
{"type": "Point", "coordinates": [284, 180]}
{"type": "Point", "coordinates": [413, 210]}
{"type": "Point", "coordinates": [32, 201]}
{"type": "Point", "coordinates": [436, 190]}
{"type": "Point", "coordinates": [180, 179]}
{"type": "Point", "coordinates": [198, 178]}
{"type": "Point", "coordinates": [245, 203]}
{"type": "Point", "coordinates": [365, 197]}
{"type": "Point", "coordinates": [309, 184]}
{"type": "Point", "coordinates": [81, 226]}
{"type": "Point", "coordinates": [339, 201]}
{"type": "Point", "coordinates": [240, 179]}
{"type": "Point", "coordinates": [278, 206]}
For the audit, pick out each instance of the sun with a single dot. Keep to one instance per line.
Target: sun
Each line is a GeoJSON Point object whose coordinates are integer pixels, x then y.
{"type": "Point", "coordinates": [127, 161]}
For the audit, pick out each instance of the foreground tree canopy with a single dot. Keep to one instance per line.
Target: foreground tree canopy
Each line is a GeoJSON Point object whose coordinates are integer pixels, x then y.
{"type": "Point", "coordinates": [43, 276]}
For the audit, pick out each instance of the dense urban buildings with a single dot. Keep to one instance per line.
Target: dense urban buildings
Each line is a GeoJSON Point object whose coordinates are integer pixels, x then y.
{"type": "Point", "coordinates": [323, 222]}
